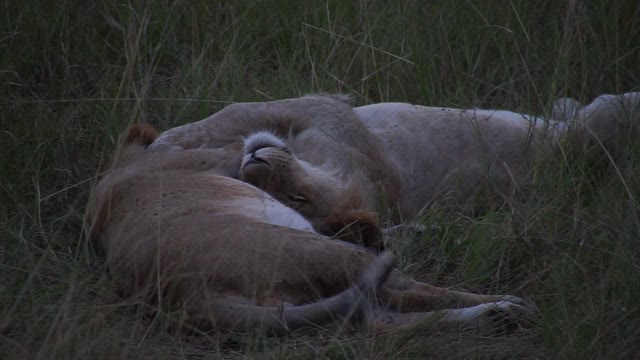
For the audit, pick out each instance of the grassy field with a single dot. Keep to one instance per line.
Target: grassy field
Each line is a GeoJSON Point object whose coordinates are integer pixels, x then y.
{"type": "Point", "coordinates": [75, 73]}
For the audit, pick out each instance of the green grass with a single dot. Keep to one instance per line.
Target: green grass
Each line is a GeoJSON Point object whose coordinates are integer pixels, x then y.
{"type": "Point", "coordinates": [75, 73]}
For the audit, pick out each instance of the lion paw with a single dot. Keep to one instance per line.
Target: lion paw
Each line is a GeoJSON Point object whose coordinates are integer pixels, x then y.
{"type": "Point", "coordinates": [500, 317]}
{"type": "Point", "coordinates": [528, 306]}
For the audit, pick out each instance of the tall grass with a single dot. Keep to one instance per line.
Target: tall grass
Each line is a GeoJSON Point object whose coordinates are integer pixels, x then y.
{"type": "Point", "coordinates": [75, 73]}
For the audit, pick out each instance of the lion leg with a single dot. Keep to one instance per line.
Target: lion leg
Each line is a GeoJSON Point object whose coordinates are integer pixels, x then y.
{"type": "Point", "coordinates": [349, 306]}
{"type": "Point", "coordinates": [485, 317]}
{"type": "Point", "coordinates": [404, 294]}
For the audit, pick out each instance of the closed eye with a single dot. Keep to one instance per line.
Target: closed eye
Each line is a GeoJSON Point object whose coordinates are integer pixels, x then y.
{"type": "Point", "coordinates": [297, 198]}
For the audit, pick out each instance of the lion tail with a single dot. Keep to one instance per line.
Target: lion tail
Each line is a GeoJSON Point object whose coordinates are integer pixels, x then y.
{"type": "Point", "coordinates": [350, 307]}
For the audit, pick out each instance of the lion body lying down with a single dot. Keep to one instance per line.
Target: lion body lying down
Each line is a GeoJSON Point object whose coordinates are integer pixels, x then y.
{"type": "Point", "coordinates": [448, 154]}
{"type": "Point", "coordinates": [176, 231]}
{"type": "Point", "coordinates": [336, 165]}
{"type": "Point", "coordinates": [330, 168]}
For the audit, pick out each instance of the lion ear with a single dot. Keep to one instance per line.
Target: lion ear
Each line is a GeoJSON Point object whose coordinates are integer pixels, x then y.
{"type": "Point", "coordinates": [355, 226]}
{"type": "Point", "coordinates": [142, 134]}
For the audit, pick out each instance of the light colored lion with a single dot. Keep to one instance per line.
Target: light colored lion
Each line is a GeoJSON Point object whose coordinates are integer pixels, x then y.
{"type": "Point", "coordinates": [337, 165]}
{"type": "Point", "coordinates": [451, 153]}
{"type": "Point", "coordinates": [179, 234]}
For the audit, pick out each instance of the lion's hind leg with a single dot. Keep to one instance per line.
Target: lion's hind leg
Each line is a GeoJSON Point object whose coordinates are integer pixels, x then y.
{"type": "Point", "coordinates": [487, 317]}
{"type": "Point", "coordinates": [404, 294]}
{"type": "Point", "coordinates": [348, 308]}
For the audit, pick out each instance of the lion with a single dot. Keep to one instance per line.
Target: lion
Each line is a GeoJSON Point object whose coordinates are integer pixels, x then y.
{"type": "Point", "coordinates": [448, 154]}
{"type": "Point", "coordinates": [444, 154]}
{"type": "Point", "coordinates": [340, 166]}
{"type": "Point", "coordinates": [332, 170]}
{"type": "Point", "coordinates": [177, 233]}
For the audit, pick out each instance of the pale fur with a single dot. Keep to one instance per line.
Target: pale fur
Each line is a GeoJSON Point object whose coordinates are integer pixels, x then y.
{"type": "Point", "coordinates": [272, 212]}
{"type": "Point", "coordinates": [262, 139]}
{"type": "Point", "coordinates": [176, 232]}
{"type": "Point", "coordinates": [446, 153]}
{"type": "Point", "coordinates": [395, 156]}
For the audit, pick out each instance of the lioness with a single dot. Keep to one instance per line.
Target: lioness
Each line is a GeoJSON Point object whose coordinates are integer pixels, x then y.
{"type": "Point", "coordinates": [440, 153]}
{"type": "Point", "coordinates": [337, 165]}
{"type": "Point", "coordinates": [176, 231]}
{"type": "Point", "coordinates": [448, 153]}
{"type": "Point", "coordinates": [323, 162]}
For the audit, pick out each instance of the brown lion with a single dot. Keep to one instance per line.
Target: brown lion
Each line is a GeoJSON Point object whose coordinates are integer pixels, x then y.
{"type": "Point", "coordinates": [178, 233]}
{"type": "Point", "coordinates": [313, 154]}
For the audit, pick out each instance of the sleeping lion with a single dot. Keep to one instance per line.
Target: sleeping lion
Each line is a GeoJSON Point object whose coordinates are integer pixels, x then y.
{"type": "Point", "coordinates": [449, 154]}
{"type": "Point", "coordinates": [337, 165]}
{"type": "Point", "coordinates": [323, 162]}
{"type": "Point", "coordinates": [179, 233]}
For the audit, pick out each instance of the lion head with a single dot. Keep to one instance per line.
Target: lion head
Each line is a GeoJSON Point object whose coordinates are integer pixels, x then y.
{"type": "Point", "coordinates": [334, 207]}
{"type": "Point", "coordinates": [311, 153]}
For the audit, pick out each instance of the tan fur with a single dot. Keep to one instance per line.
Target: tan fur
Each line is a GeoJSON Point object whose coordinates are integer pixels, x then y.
{"type": "Point", "coordinates": [177, 233]}
{"type": "Point", "coordinates": [331, 161]}
{"type": "Point", "coordinates": [326, 160]}
{"type": "Point", "coordinates": [354, 225]}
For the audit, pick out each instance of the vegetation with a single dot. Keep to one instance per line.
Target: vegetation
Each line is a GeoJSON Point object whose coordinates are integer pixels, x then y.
{"type": "Point", "coordinates": [75, 73]}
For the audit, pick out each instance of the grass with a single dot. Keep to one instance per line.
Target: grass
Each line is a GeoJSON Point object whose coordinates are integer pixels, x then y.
{"type": "Point", "coordinates": [74, 74]}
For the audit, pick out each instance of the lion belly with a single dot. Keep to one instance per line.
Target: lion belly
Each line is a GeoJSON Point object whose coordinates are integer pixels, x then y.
{"type": "Point", "coordinates": [273, 212]}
